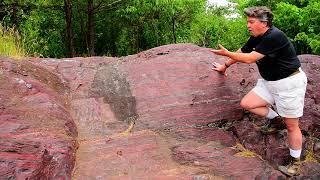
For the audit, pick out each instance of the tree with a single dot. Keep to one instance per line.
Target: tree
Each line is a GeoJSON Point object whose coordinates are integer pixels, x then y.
{"type": "Point", "coordinates": [90, 34]}
{"type": "Point", "coordinates": [93, 9]}
{"type": "Point", "coordinates": [56, 28]}
{"type": "Point", "coordinates": [69, 31]}
{"type": "Point", "coordinates": [299, 19]}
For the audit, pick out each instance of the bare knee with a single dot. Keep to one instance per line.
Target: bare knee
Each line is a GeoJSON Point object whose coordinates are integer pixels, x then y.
{"type": "Point", "coordinates": [291, 128]}
{"type": "Point", "coordinates": [292, 125]}
{"type": "Point", "coordinates": [245, 104]}
{"type": "Point", "coordinates": [252, 101]}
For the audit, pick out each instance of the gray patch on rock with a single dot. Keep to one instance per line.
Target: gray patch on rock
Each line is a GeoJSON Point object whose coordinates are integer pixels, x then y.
{"type": "Point", "coordinates": [111, 84]}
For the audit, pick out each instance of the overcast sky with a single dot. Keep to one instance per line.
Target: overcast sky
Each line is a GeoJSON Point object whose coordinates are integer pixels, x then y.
{"type": "Point", "coordinates": [218, 2]}
{"type": "Point", "coordinates": [224, 3]}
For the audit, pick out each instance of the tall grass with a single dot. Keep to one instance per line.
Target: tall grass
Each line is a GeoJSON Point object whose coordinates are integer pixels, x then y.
{"type": "Point", "coordinates": [10, 44]}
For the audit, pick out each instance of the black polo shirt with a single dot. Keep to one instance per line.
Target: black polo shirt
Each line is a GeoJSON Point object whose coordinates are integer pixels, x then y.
{"type": "Point", "coordinates": [280, 58]}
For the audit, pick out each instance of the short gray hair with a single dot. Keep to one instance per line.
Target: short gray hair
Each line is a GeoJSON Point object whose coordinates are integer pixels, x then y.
{"type": "Point", "coordinates": [263, 13]}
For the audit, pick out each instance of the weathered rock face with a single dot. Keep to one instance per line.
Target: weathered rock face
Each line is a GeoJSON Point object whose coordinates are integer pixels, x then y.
{"type": "Point", "coordinates": [37, 133]}
{"type": "Point", "coordinates": [188, 122]}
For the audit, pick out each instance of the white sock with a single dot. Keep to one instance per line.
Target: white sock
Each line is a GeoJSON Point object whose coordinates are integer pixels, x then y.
{"type": "Point", "coordinates": [271, 114]}
{"type": "Point", "coordinates": [295, 153]}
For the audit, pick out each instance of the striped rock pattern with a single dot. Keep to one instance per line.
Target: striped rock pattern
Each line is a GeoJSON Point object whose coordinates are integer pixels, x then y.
{"type": "Point", "coordinates": [185, 119]}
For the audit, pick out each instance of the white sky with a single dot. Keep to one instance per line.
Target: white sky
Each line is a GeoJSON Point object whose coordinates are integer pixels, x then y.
{"type": "Point", "coordinates": [219, 2]}
{"type": "Point", "coordinates": [223, 3]}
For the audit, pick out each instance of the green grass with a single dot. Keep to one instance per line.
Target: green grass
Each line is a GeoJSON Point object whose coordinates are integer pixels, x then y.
{"type": "Point", "coordinates": [10, 44]}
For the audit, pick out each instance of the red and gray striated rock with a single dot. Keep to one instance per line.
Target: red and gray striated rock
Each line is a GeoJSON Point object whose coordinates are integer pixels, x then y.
{"type": "Point", "coordinates": [37, 133]}
{"type": "Point", "coordinates": [310, 121]}
{"type": "Point", "coordinates": [187, 117]}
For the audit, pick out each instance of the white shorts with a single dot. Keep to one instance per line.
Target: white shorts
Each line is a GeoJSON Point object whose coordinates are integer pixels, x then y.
{"type": "Point", "coordinates": [287, 94]}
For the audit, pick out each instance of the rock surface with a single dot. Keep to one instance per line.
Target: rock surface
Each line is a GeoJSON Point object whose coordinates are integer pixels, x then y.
{"type": "Point", "coordinates": [187, 120]}
{"type": "Point", "coordinates": [37, 133]}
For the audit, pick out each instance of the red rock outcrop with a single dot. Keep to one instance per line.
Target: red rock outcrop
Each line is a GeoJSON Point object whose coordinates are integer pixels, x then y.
{"type": "Point", "coordinates": [37, 133]}
{"type": "Point", "coordinates": [187, 120]}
